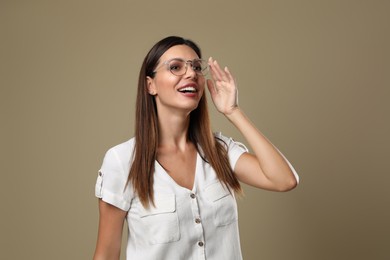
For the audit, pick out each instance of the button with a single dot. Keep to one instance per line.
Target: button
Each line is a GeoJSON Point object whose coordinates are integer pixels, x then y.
{"type": "Point", "coordinates": [100, 174]}
{"type": "Point", "coordinates": [197, 220]}
{"type": "Point", "coordinates": [192, 195]}
{"type": "Point", "coordinates": [200, 243]}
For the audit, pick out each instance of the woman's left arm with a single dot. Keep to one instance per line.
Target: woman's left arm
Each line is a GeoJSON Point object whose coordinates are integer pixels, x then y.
{"type": "Point", "coordinates": [266, 168]}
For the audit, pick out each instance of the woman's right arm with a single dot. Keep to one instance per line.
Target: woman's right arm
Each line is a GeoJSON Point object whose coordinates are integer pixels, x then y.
{"type": "Point", "coordinates": [109, 240]}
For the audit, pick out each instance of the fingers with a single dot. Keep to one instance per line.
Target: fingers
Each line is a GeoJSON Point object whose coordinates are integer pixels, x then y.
{"type": "Point", "coordinates": [217, 73]}
{"type": "Point", "coordinates": [211, 87]}
{"type": "Point", "coordinates": [229, 75]}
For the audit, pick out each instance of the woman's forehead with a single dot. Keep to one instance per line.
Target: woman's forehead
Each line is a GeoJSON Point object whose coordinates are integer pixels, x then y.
{"type": "Point", "coordinates": [179, 51]}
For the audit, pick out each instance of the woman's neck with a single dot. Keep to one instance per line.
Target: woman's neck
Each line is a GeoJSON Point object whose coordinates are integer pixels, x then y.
{"type": "Point", "coordinates": [173, 130]}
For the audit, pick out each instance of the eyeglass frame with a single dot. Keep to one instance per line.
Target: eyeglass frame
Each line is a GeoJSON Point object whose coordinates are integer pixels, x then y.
{"type": "Point", "coordinates": [201, 73]}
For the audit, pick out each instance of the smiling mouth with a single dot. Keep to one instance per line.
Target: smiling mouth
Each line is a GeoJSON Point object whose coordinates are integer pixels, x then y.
{"type": "Point", "coordinates": [188, 90]}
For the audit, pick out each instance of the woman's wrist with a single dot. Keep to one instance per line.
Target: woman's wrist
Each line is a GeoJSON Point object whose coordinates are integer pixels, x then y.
{"type": "Point", "coordinates": [233, 113]}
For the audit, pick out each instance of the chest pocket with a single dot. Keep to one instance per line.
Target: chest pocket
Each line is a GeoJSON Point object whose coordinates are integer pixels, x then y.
{"type": "Point", "coordinates": [224, 204]}
{"type": "Point", "coordinates": [161, 223]}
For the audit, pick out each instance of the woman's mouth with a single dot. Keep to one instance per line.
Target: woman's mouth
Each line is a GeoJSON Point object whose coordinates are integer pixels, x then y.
{"type": "Point", "coordinates": [188, 89]}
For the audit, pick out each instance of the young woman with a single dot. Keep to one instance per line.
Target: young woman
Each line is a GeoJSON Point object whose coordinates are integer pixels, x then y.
{"type": "Point", "coordinates": [175, 181]}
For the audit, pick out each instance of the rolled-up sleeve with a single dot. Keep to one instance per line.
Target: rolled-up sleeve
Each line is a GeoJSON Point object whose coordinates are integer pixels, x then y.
{"type": "Point", "coordinates": [235, 149]}
{"type": "Point", "coordinates": [111, 182]}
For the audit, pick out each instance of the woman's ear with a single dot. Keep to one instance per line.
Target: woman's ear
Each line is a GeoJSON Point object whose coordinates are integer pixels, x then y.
{"type": "Point", "coordinates": [151, 87]}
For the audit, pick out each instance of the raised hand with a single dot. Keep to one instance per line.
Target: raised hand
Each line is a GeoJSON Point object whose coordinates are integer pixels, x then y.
{"type": "Point", "coordinates": [222, 88]}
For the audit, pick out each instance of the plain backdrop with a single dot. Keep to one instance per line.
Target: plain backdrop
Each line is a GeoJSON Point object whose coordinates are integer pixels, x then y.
{"type": "Point", "coordinates": [314, 76]}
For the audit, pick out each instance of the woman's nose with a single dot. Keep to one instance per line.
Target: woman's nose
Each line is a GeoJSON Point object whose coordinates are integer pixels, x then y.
{"type": "Point", "coordinates": [190, 71]}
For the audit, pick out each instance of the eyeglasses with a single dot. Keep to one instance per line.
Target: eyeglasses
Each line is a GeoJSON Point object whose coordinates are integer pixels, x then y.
{"type": "Point", "coordinates": [179, 66]}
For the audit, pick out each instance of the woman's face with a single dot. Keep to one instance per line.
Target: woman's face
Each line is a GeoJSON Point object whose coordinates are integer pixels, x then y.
{"type": "Point", "coordinates": [176, 93]}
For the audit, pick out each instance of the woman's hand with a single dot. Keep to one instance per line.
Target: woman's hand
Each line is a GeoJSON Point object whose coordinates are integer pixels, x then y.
{"type": "Point", "coordinates": [222, 88]}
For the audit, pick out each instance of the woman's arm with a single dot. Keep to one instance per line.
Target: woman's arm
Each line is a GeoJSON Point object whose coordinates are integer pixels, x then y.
{"type": "Point", "coordinates": [266, 168]}
{"type": "Point", "coordinates": [109, 240]}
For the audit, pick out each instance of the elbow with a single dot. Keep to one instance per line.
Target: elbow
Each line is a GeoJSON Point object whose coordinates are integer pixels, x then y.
{"type": "Point", "coordinates": [290, 182]}
{"type": "Point", "coordinates": [288, 185]}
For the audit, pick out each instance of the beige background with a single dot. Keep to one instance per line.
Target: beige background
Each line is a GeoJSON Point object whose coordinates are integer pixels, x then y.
{"type": "Point", "coordinates": [312, 75]}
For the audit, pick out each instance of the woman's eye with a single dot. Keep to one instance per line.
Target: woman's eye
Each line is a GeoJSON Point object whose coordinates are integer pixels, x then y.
{"type": "Point", "coordinates": [175, 66]}
{"type": "Point", "coordinates": [197, 68]}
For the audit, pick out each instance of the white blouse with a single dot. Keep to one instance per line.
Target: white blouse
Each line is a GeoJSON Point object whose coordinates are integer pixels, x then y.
{"type": "Point", "coordinates": [184, 224]}
{"type": "Point", "coordinates": [201, 223]}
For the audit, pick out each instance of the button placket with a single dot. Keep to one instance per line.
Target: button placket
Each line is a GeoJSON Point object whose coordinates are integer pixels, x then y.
{"type": "Point", "coordinates": [198, 227]}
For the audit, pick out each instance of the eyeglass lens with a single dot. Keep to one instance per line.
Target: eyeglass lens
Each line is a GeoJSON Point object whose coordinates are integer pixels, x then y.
{"type": "Point", "coordinates": [179, 67]}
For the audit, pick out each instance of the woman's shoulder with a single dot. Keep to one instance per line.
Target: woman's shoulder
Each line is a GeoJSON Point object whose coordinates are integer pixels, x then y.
{"type": "Point", "coordinates": [120, 153]}
{"type": "Point", "coordinates": [226, 140]}
{"type": "Point", "coordinates": [220, 136]}
{"type": "Point", "coordinates": [229, 142]}
{"type": "Point", "coordinates": [124, 147]}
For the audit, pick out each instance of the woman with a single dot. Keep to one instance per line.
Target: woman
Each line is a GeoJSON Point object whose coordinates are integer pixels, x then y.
{"type": "Point", "coordinates": [175, 181]}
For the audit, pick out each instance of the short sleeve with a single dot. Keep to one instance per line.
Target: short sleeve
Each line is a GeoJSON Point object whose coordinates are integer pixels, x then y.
{"type": "Point", "coordinates": [111, 182]}
{"type": "Point", "coordinates": [235, 149]}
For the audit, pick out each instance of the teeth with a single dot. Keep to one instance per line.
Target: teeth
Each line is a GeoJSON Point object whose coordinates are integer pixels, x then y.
{"type": "Point", "coordinates": [188, 89]}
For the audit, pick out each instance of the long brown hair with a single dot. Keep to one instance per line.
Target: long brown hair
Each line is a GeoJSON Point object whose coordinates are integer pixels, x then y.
{"type": "Point", "coordinates": [147, 132]}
